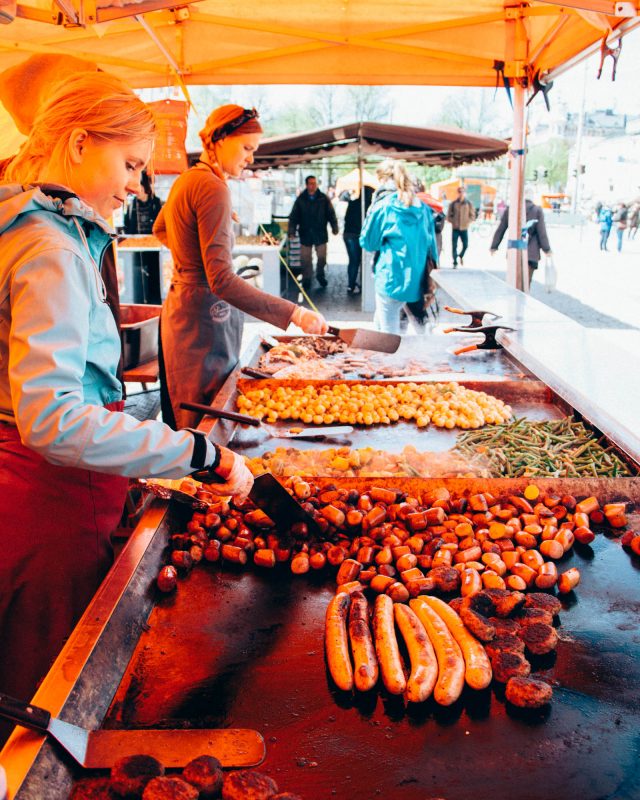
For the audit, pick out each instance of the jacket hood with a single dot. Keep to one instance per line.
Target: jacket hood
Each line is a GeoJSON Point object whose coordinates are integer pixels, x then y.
{"type": "Point", "coordinates": [17, 200]}
{"type": "Point", "coordinates": [411, 215]}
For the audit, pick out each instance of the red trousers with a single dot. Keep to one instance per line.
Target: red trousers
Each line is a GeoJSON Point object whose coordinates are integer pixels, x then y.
{"type": "Point", "coordinates": [55, 550]}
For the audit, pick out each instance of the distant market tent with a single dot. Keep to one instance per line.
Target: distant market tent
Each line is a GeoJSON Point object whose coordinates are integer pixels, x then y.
{"type": "Point", "coordinates": [447, 146]}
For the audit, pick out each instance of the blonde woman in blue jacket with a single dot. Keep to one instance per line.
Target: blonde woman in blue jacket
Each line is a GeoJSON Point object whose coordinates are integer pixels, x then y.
{"type": "Point", "coordinates": [66, 447]}
{"type": "Point", "coordinates": [400, 227]}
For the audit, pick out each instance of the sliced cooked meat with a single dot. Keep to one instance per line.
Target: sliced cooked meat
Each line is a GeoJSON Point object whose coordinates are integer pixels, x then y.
{"type": "Point", "coordinates": [478, 624]}
{"type": "Point", "coordinates": [547, 602]}
{"type": "Point", "coordinates": [528, 692]}
{"type": "Point", "coordinates": [504, 626]}
{"type": "Point", "coordinates": [539, 638]}
{"type": "Point", "coordinates": [507, 643]}
{"type": "Point", "coordinates": [507, 605]}
{"type": "Point", "coordinates": [509, 665]}
{"type": "Point", "coordinates": [529, 615]}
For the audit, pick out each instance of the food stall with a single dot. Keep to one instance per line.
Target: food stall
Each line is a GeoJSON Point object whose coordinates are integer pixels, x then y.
{"type": "Point", "coordinates": [242, 645]}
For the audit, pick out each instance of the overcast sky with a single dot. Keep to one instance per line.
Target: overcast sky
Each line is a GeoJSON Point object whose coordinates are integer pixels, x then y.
{"type": "Point", "coordinates": [621, 95]}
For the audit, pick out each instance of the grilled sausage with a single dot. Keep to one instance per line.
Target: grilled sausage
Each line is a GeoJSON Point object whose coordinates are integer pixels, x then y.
{"type": "Point", "coordinates": [248, 784]}
{"type": "Point", "coordinates": [477, 666]}
{"type": "Point", "coordinates": [205, 773]}
{"type": "Point", "coordinates": [424, 667]}
{"type": "Point", "coordinates": [337, 643]}
{"type": "Point", "coordinates": [130, 774]}
{"type": "Point", "coordinates": [365, 663]}
{"type": "Point", "coordinates": [172, 788]}
{"type": "Point", "coordinates": [505, 626]}
{"type": "Point", "coordinates": [450, 661]}
{"type": "Point", "coordinates": [386, 644]}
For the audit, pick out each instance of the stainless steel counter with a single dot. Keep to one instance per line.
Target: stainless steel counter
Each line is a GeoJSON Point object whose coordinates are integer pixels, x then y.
{"type": "Point", "coordinates": [598, 378]}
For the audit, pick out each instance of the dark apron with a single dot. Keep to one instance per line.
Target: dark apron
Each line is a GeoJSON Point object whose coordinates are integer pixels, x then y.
{"type": "Point", "coordinates": [55, 550]}
{"type": "Point", "coordinates": [201, 337]}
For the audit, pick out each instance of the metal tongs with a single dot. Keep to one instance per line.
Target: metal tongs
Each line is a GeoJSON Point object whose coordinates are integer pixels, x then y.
{"type": "Point", "coordinates": [477, 325]}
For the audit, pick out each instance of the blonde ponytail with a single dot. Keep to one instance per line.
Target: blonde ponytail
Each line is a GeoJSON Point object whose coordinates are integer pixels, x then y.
{"type": "Point", "coordinates": [406, 193]}
{"type": "Point", "coordinates": [94, 101]}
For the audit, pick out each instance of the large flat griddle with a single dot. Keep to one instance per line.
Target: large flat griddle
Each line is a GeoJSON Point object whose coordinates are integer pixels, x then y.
{"type": "Point", "coordinates": [240, 648]}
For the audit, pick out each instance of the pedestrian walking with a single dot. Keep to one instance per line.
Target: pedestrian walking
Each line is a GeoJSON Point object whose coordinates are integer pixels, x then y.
{"type": "Point", "coordinates": [620, 218]}
{"type": "Point", "coordinates": [312, 212]}
{"type": "Point", "coordinates": [537, 240]}
{"type": "Point", "coordinates": [351, 235]}
{"type": "Point", "coordinates": [634, 219]}
{"type": "Point", "coordinates": [400, 228]}
{"type": "Point", "coordinates": [605, 218]}
{"type": "Point", "coordinates": [460, 214]}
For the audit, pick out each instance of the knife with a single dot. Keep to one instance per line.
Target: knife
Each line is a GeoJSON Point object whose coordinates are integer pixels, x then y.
{"type": "Point", "coordinates": [367, 340]}
{"type": "Point", "coordinates": [309, 433]}
{"type": "Point", "coordinates": [233, 747]}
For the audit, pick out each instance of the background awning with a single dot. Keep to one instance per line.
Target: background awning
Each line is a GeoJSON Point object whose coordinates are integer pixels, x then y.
{"type": "Point", "coordinates": [443, 146]}
{"type": "Point", "coordinates": [434, 42]}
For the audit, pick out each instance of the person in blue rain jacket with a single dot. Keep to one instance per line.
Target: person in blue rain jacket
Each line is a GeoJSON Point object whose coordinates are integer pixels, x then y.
{"type": "Point", "coordinates": [399, 227]}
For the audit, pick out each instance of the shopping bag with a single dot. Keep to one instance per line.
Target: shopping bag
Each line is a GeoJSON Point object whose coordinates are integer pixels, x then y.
{"type": "Point", "coordinates": [550, 274]}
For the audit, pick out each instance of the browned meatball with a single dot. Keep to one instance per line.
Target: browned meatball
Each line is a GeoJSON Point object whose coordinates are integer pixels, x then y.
{"type": "Point", "coordinates": [447, 579]}
{"type": "Point", "coordinates": [129, 775]}
{"type": "Point", "coordinates": [92, 789]}
{"type": "Point", "coordinates": [169, 789]}
{"type": "Point", "coordinates": [528, 692]}
{"type": "Point", "coordinates": [504, 626]}
{"type": "Point", "coordinates": [505, 643]}
{"type": "Point", "coordinates": [248, 785]}
{"type": "Point", "coordinates": [507, 665]}
{"type": "Point", "coordinates": [205, 773]}
{"type": "Point", "coordinates": [481, 602]}
{"type": "Point", "coordinates": [547, 602]}
{"type": "Point", "coordinates": [529, 615]}
{"type": "Point", "coordinates": [505, 606]}
{"type": "Point", "coordinates": [479, 625]}
{"type": "Point", "coordinates": [540, 638]}
{"type": "Point", "coordinates": [455, 604]}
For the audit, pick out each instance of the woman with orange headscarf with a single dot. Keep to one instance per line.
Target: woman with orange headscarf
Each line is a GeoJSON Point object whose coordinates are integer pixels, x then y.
{"type": "Point", "coordinates": [202, 319]}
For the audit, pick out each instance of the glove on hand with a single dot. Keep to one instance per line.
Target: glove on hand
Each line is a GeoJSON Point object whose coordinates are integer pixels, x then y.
{"type": "Point", "coordinates": [309, 321]}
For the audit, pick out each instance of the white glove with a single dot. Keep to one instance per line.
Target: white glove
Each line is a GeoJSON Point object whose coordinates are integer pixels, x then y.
{"type": "Point", "coordinates": [309, 321]}
{"type": "Point", "coordinates": [239, 479]}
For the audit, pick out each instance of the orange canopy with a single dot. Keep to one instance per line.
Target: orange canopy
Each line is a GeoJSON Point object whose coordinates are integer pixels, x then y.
{"type": "Point", "coordinates": [287, 41]}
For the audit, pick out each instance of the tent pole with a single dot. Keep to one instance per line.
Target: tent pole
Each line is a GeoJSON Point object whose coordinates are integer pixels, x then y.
{"type": "Point", "coordinates": [366, 272]}
{"type": "Point", "coordinates": [517, 265]}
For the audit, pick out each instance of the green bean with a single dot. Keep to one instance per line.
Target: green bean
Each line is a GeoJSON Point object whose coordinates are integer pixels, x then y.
{"type": "Point", "coordinates": [553, 448]}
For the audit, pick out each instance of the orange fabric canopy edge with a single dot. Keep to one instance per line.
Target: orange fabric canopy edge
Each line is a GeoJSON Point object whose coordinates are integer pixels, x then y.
{"type": "Point", "coordinates": [368, 42]}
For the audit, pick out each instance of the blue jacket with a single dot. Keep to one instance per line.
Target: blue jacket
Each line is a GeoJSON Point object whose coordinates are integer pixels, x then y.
{"type": "Point", "coordinates": [605, 218]}
{"type": "Point", "coordinates": [405, 237]}
{"type": "Point", "coordinates": [59, 344]}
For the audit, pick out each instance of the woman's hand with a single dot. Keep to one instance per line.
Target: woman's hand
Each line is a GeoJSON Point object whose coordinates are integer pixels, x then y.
{"type": "Point", "coordinates": [309, 321]}
{"type": "Point", "coordinates": [237, 477]}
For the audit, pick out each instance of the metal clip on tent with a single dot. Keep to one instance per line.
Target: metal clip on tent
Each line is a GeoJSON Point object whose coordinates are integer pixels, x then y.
{"type": "Point", "coordinates": [541, 87]}
{"type": "Point", "coordinates": [614, 52]}
{"type": "Point", "coordinates": [477, 318]}
{"type": "Point", "coordinates": [488, 343]}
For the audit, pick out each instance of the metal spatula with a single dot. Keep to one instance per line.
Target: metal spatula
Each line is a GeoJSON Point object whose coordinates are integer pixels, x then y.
{"type": "Point", "coordinates": [233, 747]}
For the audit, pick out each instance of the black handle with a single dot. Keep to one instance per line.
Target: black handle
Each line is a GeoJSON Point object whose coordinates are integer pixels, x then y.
{"type": "Point", "coordinates": [245, 419]}
{"type": "Point", "coordinates": [254, 373]}
{"type": "Point", "coordinates": [24, 713]}
{"type": "Point", "coordinates": [333, 331]}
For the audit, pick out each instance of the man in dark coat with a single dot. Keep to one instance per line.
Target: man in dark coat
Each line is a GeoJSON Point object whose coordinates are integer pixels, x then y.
{"type": "Point", "coordinates": [537, 234]}
{"type": "Point", "coordinates": [310, 215]}
{"type": "Point", "coordinates": [351, 235]}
